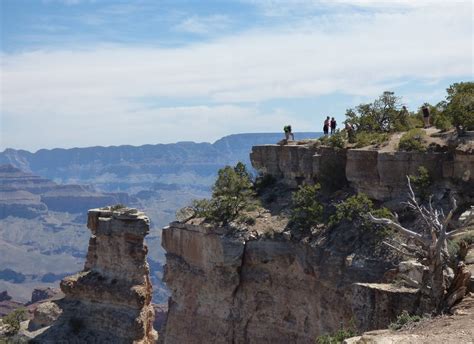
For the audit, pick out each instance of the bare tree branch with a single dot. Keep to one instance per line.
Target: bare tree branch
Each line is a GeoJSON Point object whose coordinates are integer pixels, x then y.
{"type": "Point", "coordinates": [458, 232]}
{"type": "Point", "coordinates": [398, 227]}
{"type": "Point", "coordinates": [451, 212]}
{"type": "Point", "coordinates": [399, 250]}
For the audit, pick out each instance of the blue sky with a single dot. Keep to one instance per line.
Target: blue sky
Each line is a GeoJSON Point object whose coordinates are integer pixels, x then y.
{"type": "Point", "coordinates": [79, 73]}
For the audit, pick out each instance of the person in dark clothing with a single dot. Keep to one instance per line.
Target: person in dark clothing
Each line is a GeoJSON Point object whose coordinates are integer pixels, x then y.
{"type": "Point", "coordinates": [333, 126]}
{"type": "Point", "coordinates": [326, 126]}
{"type": "Point", "coordinates": [288, 133]}
{"type": "Point", "coordinates": [426, 116]}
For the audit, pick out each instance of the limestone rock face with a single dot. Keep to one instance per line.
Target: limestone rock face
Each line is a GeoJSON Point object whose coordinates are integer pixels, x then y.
{"type": "Point", "coordinates": [225, 289]}
{"type": "Point", "coordinates": [110, 300]}
{"type": "Point", "coordinates": [379, 174]}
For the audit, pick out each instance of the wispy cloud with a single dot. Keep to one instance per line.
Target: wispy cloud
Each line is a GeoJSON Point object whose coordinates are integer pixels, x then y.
{"type": "Point", "coordinates": [204, 25]}
{"type": "Point", "coordinates": [68, 2]}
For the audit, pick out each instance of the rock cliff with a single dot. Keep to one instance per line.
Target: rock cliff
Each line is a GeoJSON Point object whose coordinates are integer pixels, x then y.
{"type": "Point", "coordinates": [239, 289]}
{"type": "Point", "coordinates": [243, 286]}
{"type": "Point", "coordinates": [379, 174]}
{"type": "Point", "coordinates": [110, 300]}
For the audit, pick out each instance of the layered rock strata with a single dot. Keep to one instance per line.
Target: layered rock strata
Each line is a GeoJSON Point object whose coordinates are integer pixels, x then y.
{"type": "Point", "coordinates": [229, 289]}
{"type": "Point", "coordinates": [379, 174]}
{"type": "Point", "coordinates": [110, 300]}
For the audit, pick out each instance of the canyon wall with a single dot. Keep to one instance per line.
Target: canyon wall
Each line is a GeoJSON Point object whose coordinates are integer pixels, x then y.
{"type": "Point", "coordinates": [233, 289]}
{"type": "Point", "coordinates": [379, 174]}
{"type": "Point", "coordinates": [245, 287]}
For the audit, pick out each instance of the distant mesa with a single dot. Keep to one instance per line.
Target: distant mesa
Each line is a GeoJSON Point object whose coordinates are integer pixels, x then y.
{"type": "Point", "coordinates": [26, 195]}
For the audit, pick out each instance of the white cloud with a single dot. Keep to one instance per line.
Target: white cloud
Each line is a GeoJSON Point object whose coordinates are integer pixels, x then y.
{"type": "Point", "coordinates": [204, 25]}
{"type": "Point", "coordinates": [68, 2]}
{"type": "Point", "coordinates": [92, 96]}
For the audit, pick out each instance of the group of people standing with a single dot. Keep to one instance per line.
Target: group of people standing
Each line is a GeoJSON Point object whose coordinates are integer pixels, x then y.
{"type": "Point", "coordinates": [329, 123]}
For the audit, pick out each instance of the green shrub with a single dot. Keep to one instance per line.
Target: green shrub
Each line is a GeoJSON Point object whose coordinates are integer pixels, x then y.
{"type": "Point", "coordinates": [442, 122]}
{"type": "Point", "coordinates": [306, 210]}
{"type": "Point", "coordinates": [385, 114]}
{"type": "Point", "coordinates": [459, 106]}
{"type": "Point", "coordinates": [422, 182]}
{"type": "Point", "coordinates": [15, 318]}
{"type": "Point", "coordinates": [412, 140]}
{"type": "Point", "coordinates": [338, 139]}
{"type": "Point", "coordinates": [416, 121]}
{"type": "Point", "coordinates": [365, 138]}
{"type": "Point", "coordinates": [324, 140]}
{"type": "Point", "coordinates": [248, 220]}
{"type": "Point", "coordinates": [404, 319]}
{"type": "Point", "coordinates": [232, 193]}
{"type": "Point", "coordinates": [337, 337]}
{"type": "Point", "coordinates": [355, 209]}
{"type": "Point", "coordinates": [454, 245]}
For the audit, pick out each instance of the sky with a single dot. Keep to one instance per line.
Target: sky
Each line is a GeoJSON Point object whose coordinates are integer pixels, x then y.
{"type": "Point", "coordinates": [78, 73]}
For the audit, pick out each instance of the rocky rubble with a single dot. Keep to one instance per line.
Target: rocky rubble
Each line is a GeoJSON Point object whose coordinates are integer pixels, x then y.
{"type": "Point", "coordinates": [110, 300]}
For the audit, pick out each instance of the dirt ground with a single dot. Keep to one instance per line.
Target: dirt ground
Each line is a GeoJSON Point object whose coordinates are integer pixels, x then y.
{"type": "Point", "coordinates": [446, 329]}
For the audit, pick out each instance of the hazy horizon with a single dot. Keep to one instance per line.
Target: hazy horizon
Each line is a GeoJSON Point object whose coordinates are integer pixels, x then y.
{"type": "Point", "coordinates": [165, 143]}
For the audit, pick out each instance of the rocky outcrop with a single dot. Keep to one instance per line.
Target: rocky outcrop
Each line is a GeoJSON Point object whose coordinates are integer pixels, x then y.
{"type": "Point", "coordinates": [40, 294]}
{"type": "Point", "coordinates": [7, 305]}
{"type": "Point", "coordinates": [45, 314]}
{"type": "Point", "coordinates": [379, 174]}
{"type": "Point", "coordinates": [110, 300]}
{"type": "Point", "coordinates": [229, 289]}
{"type": "Point", "coordinates": [4, 296]}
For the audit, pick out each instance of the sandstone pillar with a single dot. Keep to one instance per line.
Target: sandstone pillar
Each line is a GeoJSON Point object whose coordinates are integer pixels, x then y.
{"type": "Point", "coordinates": [110, 300]}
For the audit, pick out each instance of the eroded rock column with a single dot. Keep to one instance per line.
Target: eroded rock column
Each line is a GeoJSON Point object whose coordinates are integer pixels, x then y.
{"type": "Point", "coordinates": [110, 300]}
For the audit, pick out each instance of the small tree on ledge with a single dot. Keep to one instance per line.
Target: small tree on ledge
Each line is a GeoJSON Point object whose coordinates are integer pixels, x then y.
{"type": "Point", "coordinates": [430, 248]}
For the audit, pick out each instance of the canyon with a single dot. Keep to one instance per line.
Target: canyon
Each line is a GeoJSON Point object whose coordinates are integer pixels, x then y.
{"type": "Point", "coordinates": [45, 196]}
{"type": "Point", "coordinates": [258, 283]}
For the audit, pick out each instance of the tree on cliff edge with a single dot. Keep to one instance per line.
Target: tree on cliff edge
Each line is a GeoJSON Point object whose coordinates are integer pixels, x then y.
{"type": "Point", "coordinates": [441, 289]}
{"type": "Point", "coordinates": [385, 114]}
{"type": "Point", "coordinates": [232, 193]}
{"type": "Point", "coordinates": [460, 106]}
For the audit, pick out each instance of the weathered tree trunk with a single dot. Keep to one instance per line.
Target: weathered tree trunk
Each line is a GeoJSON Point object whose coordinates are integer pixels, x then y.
{"type": "Point", "coordinates": [440, 289]}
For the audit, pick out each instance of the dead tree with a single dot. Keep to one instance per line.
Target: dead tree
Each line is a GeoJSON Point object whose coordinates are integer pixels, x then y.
{"type": "Point", "coordinates": [429, 246]}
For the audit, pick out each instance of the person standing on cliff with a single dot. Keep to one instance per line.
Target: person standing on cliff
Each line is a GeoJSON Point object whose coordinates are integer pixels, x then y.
{"type": "Point", "coordinates": [426, 116]}
{"type": "Point", "coordinates": [288, 133]}
{"type": "Point", "coordinates": [333, 126]}
{"type": "Point", "coordinates": [326, 126]}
